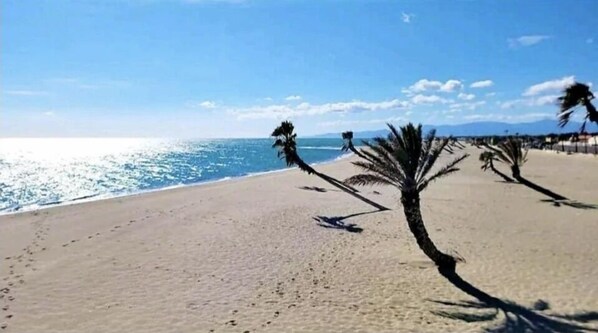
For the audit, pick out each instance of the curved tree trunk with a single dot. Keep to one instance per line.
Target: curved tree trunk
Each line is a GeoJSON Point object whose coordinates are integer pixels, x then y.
{"type": "Point", "coordinates": [505, 177]}
{"type": "Point", "coordinates": [336, 183]}
{"type": "Point", "coordinates": [515, 171]}
{"type": "Point", "coordinates": [411, 208]}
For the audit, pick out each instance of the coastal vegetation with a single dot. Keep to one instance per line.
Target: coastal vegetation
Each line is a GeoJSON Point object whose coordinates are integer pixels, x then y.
{"type": "Point", "coordinates": [405, 160]}
{"type": "Point", "coordinates": [577, 94]}
{"type": "Point", "coordinates": [348, 144]}
{"type": "Point", "coordinates": [487, 158]}
{"type": "Point", "coordinates": [286, 144]}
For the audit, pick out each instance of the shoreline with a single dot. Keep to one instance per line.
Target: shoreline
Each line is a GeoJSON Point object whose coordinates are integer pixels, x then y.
{"type": "Point", "coordinates": [109, 196]}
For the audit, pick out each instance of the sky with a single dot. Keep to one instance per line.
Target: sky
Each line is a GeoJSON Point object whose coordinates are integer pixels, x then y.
{"type": "Point", "coordinates": [236, 68]}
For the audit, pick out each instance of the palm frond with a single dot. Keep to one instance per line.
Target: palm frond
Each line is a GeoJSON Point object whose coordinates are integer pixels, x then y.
{"type": "Point", "coordinates": [366, 179]}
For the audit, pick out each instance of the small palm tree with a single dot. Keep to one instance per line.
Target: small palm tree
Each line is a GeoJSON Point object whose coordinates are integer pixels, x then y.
{"type": "Point", "coordinates": [512, 153]}
{"type": "Point", "coordinates": [405, 160]}
{"type": "Point", "coordinates": [348, 144]}
{"type": "Point", "coordinates": [577, 94]}
{"type": "Point", "coordinates": [287, 146]}
{"type": "Point", "coordinates": [285, 142]}
{"type": "Point", "coordinates": [487, 158]}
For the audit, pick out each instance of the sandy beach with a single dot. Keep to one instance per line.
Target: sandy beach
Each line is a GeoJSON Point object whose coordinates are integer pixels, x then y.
{"type": "Point", "coordinates": [249, 255]}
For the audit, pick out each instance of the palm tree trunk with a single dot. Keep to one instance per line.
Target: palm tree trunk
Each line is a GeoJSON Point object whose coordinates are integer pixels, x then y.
{"type": "Point", "coordinates": [336, 183]}
{"type": "Point", "coordinates": [540, 189]}
{"type": "Point", "coordinates": [515, 171]}
{"type": "Point", "coordinates": [411, 208]}
{"type": "Point", "coordinates": [505, 177]}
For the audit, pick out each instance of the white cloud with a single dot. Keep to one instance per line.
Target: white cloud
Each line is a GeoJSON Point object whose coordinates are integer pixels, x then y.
{"type": "Point", "coordinates": [25, 93]}
{"type": "Point", "coordinates": [425, 85]}
{"type": "Point", "coordinates": [207, 104]}
{"type": "Point", "coordinates": [428, 99]}
{"type": "Point", "coordinates": [451, 85]}
{"type": "Point", "coordinates": [482, 84]}
{"type": "Point", "coordinates": [347, 123]}
{"type": "Point", "coordinates": [307, 109]}
{"type": "Point", "coordinates": [549, 86]}
{"type": "Point", "coordinates": [293, 98]}
{"type": "Point", "coordinates": [49, 113]}
{"type": "Point", "coordinates": [406, 17]}
{"type": "Point", "coordinates": [503, 117]}
{"type": "Point", "coordinates": [524, 41]}
{"type": "Point", "coordinates": [490, 94]}
{"type": "Point", "coordinates": [466, 97]}
{"type": "Point", "coordinates": [590, 41]}
{"type": "Point", "coordinates": [466, 106]}
{"type": "Point", "coordinates": [531, 101]}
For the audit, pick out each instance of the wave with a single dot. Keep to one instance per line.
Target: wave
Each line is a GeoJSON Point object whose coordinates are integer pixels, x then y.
{"type": "Point", "coordinates": [320, 148]}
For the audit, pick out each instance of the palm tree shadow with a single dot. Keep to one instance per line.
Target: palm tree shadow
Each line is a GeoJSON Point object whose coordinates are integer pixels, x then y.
{"type": "Point", "coordinates": [316, 189]}
{"type": "Point", "coordinates": [556, 199]}
{"type": "Point", "coordinates": [570, 203]}
{"type": "Point", "coordinates": [337, 222]}
{"type": "Point", "coordinates": [517, 318]}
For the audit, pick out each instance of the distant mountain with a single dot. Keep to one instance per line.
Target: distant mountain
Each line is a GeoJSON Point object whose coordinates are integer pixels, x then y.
{"type": "Point", "coordinates": [482, 128]}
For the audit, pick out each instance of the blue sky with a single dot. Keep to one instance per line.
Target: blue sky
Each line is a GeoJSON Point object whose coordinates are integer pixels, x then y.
{"type": "Point", "coordinates": [208, 68]}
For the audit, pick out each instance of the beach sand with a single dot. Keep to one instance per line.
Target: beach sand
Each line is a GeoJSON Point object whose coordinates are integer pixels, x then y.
{"type": "Point", "coordinates": [247, 255]}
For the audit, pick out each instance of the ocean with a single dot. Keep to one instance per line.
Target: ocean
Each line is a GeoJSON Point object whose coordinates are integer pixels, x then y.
{"type": "Point", "coordinates": [41, 172]}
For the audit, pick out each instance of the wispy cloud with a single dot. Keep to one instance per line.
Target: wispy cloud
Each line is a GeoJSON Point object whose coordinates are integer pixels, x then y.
{"type": "Point", "coordinates": [531, 101]}
{"type": "Point", "coordinates": [306, 109]}
{"type": "Point", "coordinates": [431, 85]}
{"type": "Point", "coordinates": [208, 104]}
{"type": "Point", "coordinates": [528, 40]}
{"type": "Point", "coordinates": [428, 99]}
{"type": "Point", "coordinates": [347, 123]}
{"type": "Point", "coordinates": [482, 84]}
{"type": "Point", "coordinates": [590, 41]}
{"type": "Point", "coordinates": [406, 17]}
{"type": "Point", "coordinates": [466, 97]}
{"type": "Point", "coordinates": [293, 98]}
{"type": "Point", "coordinates": [49, 114]}
{"type": "Point", "coordinates": [466, 106]}
{"type": "Point", "coordinates": [25, 92]}
{"type": "Point", "coordinates": [549, 86]}
{"type": "Point", "coordinates": [504, 117]}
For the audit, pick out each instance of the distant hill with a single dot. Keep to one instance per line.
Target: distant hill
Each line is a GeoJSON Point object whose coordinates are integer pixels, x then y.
{"type": "Point", "coordinates": [482, 128]}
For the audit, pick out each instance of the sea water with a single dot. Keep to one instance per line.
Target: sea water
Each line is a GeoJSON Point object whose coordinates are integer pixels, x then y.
{"type": "Point", "coordinates": [40, 172]}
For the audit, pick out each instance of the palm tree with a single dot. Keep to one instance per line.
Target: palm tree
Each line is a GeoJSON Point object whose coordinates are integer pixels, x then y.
{"type": "Point", "coordinates": [487, 158]}
{"type": "Point", "coordinates": [348, 144]}
{"type": "Point", "coordinates": [511, 153]}
{"type": "Point", "coordinates": [285, 142]}
{"type": "Point", "coordinates": [577, 94]}
{"type": "Point", "coordinates": [404, 160]}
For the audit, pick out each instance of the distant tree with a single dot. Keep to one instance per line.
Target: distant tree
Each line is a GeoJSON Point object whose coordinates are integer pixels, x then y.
{"type": "Point", "coordinates": [487, 158]}
{"type": "Point", "coordinates": [348, 144]}
{"type": "Point", "coordinates": [511, 153]}
{"type": "Point", "coordinates": [405, 160]}
{"type": "Point", "coordinates": [286, 144]}
{"type": "Point", "coordinates": [577, 94]}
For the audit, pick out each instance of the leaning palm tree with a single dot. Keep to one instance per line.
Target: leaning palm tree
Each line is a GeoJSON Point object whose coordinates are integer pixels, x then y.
{"type": "Point", "coordinates": [405, 160]}
{"type": "Point", "coordinates": [487, 158]}
{"type": "Point", "coordinates": [348, 144]}
{"type": "Point", "coordinates": [285, 142]}
{"type": "Point", "coordinates": [577, 94]}
{"type": "Point", "coordinates": [512, 153]}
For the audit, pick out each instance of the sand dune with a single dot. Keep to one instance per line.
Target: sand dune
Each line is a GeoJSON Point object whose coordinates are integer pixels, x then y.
{"type": "Point", "coordinates": [250, 255]}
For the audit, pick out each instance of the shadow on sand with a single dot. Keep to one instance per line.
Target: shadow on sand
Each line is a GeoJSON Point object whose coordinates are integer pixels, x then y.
{"type": "Point", "coordinates": [570, 203]}
{"type": "Point", "coordinates": [517, 318]}
{"type": "Point", "coordinates": [317, 189]}
{"type": "Point", "coordinates": [337, 222]}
